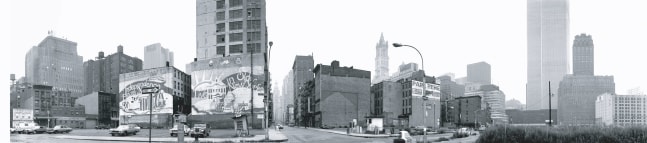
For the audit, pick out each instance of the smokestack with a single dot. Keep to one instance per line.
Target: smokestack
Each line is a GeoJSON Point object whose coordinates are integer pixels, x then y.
{"type": "Point", "coordinates": [168, 64]}
{"type": "Point", "coordinates": [120, 49]}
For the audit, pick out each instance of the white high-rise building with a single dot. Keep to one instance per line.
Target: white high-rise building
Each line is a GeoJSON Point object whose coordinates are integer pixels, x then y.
{"type": "Point", "coordinates": [627, 110]}
{"type": "Point", "coordinates": [547, 39]}
{"type": "Point", "coordinates": [156, 56]}
{"type": "Point", "coordinates": [381, 60]}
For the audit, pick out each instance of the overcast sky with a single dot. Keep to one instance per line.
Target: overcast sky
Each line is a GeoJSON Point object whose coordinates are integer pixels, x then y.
{"type": "Point", "coordinates": [449, 33]}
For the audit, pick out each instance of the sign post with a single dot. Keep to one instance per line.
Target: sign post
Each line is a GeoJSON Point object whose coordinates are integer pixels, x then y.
{"type": "Point", "coordinates": [150, 91]}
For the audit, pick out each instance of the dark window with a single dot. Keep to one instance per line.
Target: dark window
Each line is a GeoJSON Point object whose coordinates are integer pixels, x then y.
{"type": "Point", "coordinates": [220, 50]}
{"type": "Point", "coordinates": [254, 12]}
{"type": "Point", "coordinates": [236, 48]}
{"type": "Point", "coordinates": [236, 25]}
{"type": "Point", "coordinates": [220, 27]}
{"type": "Point", "coordinates": [234, 37]}
{"type": "Point", "coordinates": [233, 3]}
{"type": "Point", "coordinates": [220, 16]}
{"type": "Point", "coordinates": [236, 13]}
{"type": "Point", "coordinates": [256, 47]}
{"type": "Point", "coordinates": [253, 36]}
{"type": "Point", "coordinates": [253, 24]}
{"type": "Point", "coordinates": [220, 4]}
{"type": "Point", "coordinates": [221, 38]}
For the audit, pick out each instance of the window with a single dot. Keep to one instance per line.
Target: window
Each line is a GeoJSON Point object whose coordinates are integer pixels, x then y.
{"type": "Point", "coordinates": [236, 25]}
{"type": "Point", "coordinates": [236, 13]}
{"type": "Point", "coordinates": [221, 38]}
{"type": "Point", "coordinates": [234, 37]}
{"type": "Point", "coordinates": [253, 24]}
{"type": "Point", "coordinates": [236, 48]}
{"type": "Point", "coordinates": [233, 3]}
{"type": "Point", "coordinates": [253, 36]}
{"type": "Point", "coordinates": [220, 4]}
{"type": "Point", "coordinates": [220, 16]}
{"type": "Point", "coordinates": [220, 27]}
{"type": "Point", "coordinates": [254, 12]}
{"type": "Point", "coordinates": [253, 47]}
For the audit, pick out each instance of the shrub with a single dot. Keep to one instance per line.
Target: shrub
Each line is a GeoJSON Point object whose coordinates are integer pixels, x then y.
{"type": "Point", "coordinates": [576, 134]}
{"type": "Point", "coordinates": [442, 139]}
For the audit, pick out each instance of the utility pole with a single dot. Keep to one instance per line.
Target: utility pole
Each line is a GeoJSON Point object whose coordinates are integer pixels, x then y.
{"type": "Point", "coordinates": [550, 118]}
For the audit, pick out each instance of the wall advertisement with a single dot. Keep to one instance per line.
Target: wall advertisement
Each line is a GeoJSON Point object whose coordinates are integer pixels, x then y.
{"type": "Point", "coordinates": [133, 102]}
{"type": "Point", "coordinates": [224, 85]}
{"type": "Point", "coordinates": [433, 90]}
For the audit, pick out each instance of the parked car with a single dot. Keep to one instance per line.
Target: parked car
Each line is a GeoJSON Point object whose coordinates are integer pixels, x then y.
{"type": "Point", "coordinates": [59, 129]}
{"type": "Point", "coordinates": [125, 130]}
{"type": "Point", "coordinates": [23, 128]}
{"type": "Point", "coordinates": [280, 126]}
{"type": "Point", "coordinates": [200, 130]}
{"type": "Point", "coordinates": [174, 131]}
{"type": "Point", "coordinates": [34, 130]}
{"type": "Point", "coordinates": [101, 127]}
{"type": "Point", "coordinates": [12, 130]}
{"type": "Point", "coordinates": [404, 137]}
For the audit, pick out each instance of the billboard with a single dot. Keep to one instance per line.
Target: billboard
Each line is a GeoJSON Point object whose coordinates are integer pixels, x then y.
{"type": "Point", "coordinates": [133, 102]}
{"type": "Point", "coordinates": [433, 90]}
{"type": "Point", "coordinates": [224, 85]}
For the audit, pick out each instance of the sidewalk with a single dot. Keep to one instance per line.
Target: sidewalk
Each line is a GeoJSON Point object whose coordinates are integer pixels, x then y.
{"type": "Point", "coordinates": [274, 136]}
{"type": "Point", "coordinates": [354, 134]}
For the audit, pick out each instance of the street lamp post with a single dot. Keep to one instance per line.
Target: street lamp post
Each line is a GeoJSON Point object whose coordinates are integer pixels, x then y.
{"type": "Point", "coordinates": [424, 77]}
{"type": "Point", "coordinates": [150, 91]}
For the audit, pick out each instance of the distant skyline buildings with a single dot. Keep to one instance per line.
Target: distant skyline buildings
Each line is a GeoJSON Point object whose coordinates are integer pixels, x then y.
{"type": "Point", "coordinates": [156, 56]}
{"type": "Point", "coordinates": [583, 55]}
{"type": "Point", "coordinates": [480, 72]}
{"type": "Point", "coordinates": [547, 43]}
{"type": "Point", "coordinates": [102, 73]}
{"type": "Point", "coordinates": [55, 62]}
{"type": "Point", "coordinates": [381, 60]}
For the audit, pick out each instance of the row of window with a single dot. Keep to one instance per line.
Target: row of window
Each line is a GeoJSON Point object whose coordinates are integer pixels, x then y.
{"type": "Point", "coordinates": [238, 25]}
{"type": "Point", "coordinates": [239, 13]}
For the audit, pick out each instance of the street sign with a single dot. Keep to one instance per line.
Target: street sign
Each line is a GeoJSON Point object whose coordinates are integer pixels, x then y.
{"type": "Point", "coordinates": [148, 90]}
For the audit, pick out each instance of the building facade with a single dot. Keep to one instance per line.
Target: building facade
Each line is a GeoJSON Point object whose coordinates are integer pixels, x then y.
{"type": "Point", "coordinates": [102, 73]}
{"type": "Point", "coordinates": [174, 96]}
{"type": "Point", "coordinates": [341, 95]}
{"type": "Point", "coordinates": [288, 97]}
{"type": "Point", "coordinates": [547, 37]}
{"type": "Point", "coordinates": [466, 112]}
{"type": "Point", "coordinates": [623, 110]}
{"type": "Point", "coordinates": [415, 110]}
{"type": "Point", "coordinates": [230, 27]}
{"type": "Point", "coordinates": [404, 71]}
{"type": "Point", "coordinates": [51, 107]}
{"type": "Point", "coordinates": [449, 90]}
{"type": "Point", "coordinates": [479, 73]}
{"type": "Point", "coordinates": [302, 69]}
{"type": "Point", "coordinates": [583, 57]}
{"type": "Point", "coordinates": [493, 101]}
{"type": "Point", "coordinates": [381, 60]}
{"type": "Point", "coordinates": [101, 108]}
{"type": "Point", "coordinates": [157, 56]}
{"type": "Point", "coordinates": [55, 62]}
{"type": "Point", "coordinates": [21, 116]}
{"type": "Point", "coordinates": [386, 101]}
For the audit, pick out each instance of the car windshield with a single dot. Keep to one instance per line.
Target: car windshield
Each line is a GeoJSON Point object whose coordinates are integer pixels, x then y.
{"type": "Point", "coordinates": [200, 125]}
{"type": "Point", "coordinates": [123, 127]}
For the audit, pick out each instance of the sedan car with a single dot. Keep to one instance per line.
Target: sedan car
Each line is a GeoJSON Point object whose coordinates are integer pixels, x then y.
{"type": "Point", "coordinates": [101, 127]}
{"type": "Point", "coordinates": [59, 129]}
{"type": "Point", "coordinates": [125, 130]}
{"type": "Point", "coordinates": [404, 137]}
{"type": "Point", "coordinates": [174, 131]}
{"type": "Point", "coordinates": [34, 130]}
{"type": "Point", "coordinates": [12, 130]}
{"type": "Point", "coordinates": [200, 130]}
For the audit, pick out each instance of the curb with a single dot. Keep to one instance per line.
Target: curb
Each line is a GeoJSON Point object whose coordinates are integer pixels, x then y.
{"type": "Point", "coordinates": [140, 139]}
{"type": "Point", "coordinates": [352, 134]}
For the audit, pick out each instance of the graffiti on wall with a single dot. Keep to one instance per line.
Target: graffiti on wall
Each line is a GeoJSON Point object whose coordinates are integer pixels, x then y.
{"type": "Point", "coordinates": [134, 102]}
{"type": "Point", "coordinates": [226, 87]}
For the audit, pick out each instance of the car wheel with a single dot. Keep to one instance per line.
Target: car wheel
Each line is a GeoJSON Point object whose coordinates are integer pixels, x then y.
{"type": "Point", "coordinates": [207, 134]}
{"type": "Point", "coordinates": [112, 135]}
{"type": "Point", "coordinates": [125, 134]}
{"type": "Point", "coordinates": [135, 133]}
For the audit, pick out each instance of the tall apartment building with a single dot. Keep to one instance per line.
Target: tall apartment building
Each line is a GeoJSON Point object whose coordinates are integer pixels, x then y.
{"type": "Point", "coordinates": [288, 97]}
{"type": "Point", "coordinates": [102, 73]}
{"type": "Point", "coordinates": [341, 95]}
{"type": "Point", "coordinates": [583, 57]}
{"type": "Point", "coordinates": [381, 60]}
{"type": "Point", "coordinates": [624, 110]}
{"type": "Point", "coordinates": [230, 27]}
{"type": "Point", "coordinates": [55, 62]}
{"type": "Point", "coordinates": [480, 72]}
{"type": "Point", "coordinates": [547, 34]}
{"type": "Point", "coordinates": [156, 56]}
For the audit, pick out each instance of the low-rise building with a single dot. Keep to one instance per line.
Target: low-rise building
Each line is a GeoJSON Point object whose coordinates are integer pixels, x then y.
{"type": "Point", "coordinates": [101, 108]}
{"type": "Point", "coordinates": [466, 112]}
{"type": "Point", "coordinates": [531, 117]}
{"type": "Point", "coordinates": [21, 116]}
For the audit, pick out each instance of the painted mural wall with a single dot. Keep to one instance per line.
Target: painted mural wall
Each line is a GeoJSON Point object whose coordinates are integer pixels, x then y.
{"type": "Point", "coordinates": [224, 85]}
{"type": "Point", "coordinates": [133, 102]}
{"type": "Point", "coordinates": [430, 88]}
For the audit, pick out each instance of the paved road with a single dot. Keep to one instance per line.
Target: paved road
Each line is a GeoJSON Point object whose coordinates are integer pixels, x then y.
{"type": "Point", "coordinates": [39, 138]}
{"type": "Point", "coordinates": [301, 135]}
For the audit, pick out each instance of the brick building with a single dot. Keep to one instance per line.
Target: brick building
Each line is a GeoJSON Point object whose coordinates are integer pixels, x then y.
{"type": "Point", "coordinates": [51, 107]}
{"type": "Point", "coordinates": [414, 108]}
{"type": "Point", "coordinates": [101, 108]}
{"type": "Point", "coordinates": [341, 95]}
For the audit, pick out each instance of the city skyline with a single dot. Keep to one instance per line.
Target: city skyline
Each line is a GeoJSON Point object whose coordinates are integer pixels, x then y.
{"type": "Point", "coordinates": [617, 38]}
